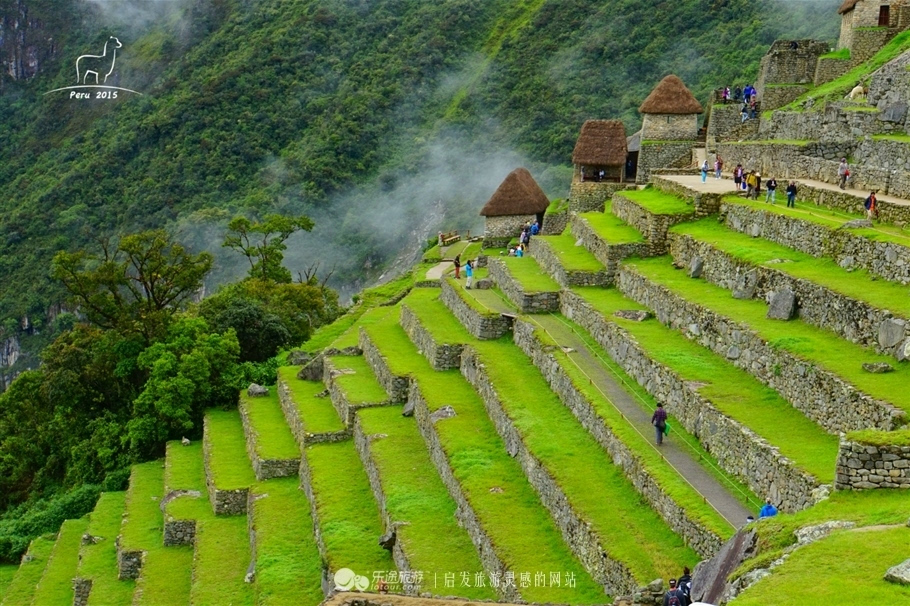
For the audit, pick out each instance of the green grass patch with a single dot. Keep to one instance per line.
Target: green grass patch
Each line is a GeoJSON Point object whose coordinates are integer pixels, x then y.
{"type": "Point", "coordinates": [435, 316]}
{"type": "Point", "coordinates": [56, 585]}
{"type": "Point", "coordinates": [228, 461]}
{"type": "Point", "coordinates": [166, 576]}
{"type": "Point", "coordinates": [98, 562]}
{"type": "Point", "coordinates": [734, 392]}
{"type": "Point", "coordinates": [823, 348]}
{"type": "Point", "coordinates": [900, 138]}
{"type": "Point", "coordinates": [611, 228]}
{"type": "Point", "coordinates": [347, 512]}
{"type": "Point", "coordinates": [841, 53]}
{"type": "Point", "coordinates": [529, 275]}
{"type": "Point", "coordinates": [559, 205]}
{"type": "Point", "coordinates": [318, 414]}
{"type": "Point", "coordinates": [469, 297]}
{"type": "Point", "coordinates": [143, 523]}
{"type": "Point", "coordinates": [220, 562]}
{"type": "Point", "coordinates": [274, 439]}
{"type": "Point", "coordinates": [431, 537]}
{"type": "Point", "coordinates": [351, 336]}
{"type": "Point", "coordinates": [22, 588]}
{"type": "Point", "coordinates": [572, 256]}
{"type": "Point", "coordinates": [7, 572]}
{"type": "Point", "coordinates": [361, 386]}
{"type": "Point", "coordinates": [658, 202]}
{"type": "Point", "coordinates": [874, 437]}
{"type": "Point", "coordinates": [774, 142]}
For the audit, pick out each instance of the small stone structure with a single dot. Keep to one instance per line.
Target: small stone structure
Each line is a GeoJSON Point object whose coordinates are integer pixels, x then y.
{"type": "Point", "coordinates": [600, 152]}
{"type": "Point", "coordinates": [787, 70]}
{"type": "Point", "coordinates": [517, 201]}
{"type": "Point", "coordinates": [860, 18]}
{"type": "Point", "coordinates": [653, 226]}
{"type": "Point", "coordinates": [864, 466]}
{"type": "Point", "coordinates": [669, 127]}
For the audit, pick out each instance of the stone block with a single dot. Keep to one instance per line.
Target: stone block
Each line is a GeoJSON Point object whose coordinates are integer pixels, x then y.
{"type": "Point", "coordinates": [696, 267]}
{"type": "Point", "coordinates": [899, 574]}
{"type": "Point", "coordinates": [746, 285]}
{"type": "Point", "coordinates": [891, 332]}
{"type": "Point", "coordinates": [783, 305]}
{"type": "Point", "coordinates": [877, 367]}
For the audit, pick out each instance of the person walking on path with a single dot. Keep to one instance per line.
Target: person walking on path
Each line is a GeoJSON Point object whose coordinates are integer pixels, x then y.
{"type": "Point", "coordinates": [685, 583]}
{"type": "Point", "coordinates": [457, 263]}
{"type": "Point", "coordinates": [772, 190]}
{"type": "Point", "coordinates": [675, 596]}
{"type": "Point", "coordinates": [469, 273]}
{"type": "Point", "coordinates": [745, 112]}
{"type": "Point", "coordinates": [871, 205]}
{"type": "Point", "coordinates": [704, 171]}
{"type": "Point", "coordinates": [718, 166]}
{"type": "Point", "coordinates": [659, 421]}
{"type": "Point", "coordinates": [791, 194]}
{"type": "Point", "coordinates": [843, 173]}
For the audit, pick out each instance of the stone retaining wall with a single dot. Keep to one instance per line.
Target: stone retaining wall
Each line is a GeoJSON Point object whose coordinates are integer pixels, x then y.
{"type": "Point", "coordinates": [497, 231]}
{"type": "Point", "coordinates": [653, 226]}
{"type": "Point", "coordinates": [306, 484]}
{"type": "Point", "coordinates": [702, 540]}
{"type": "Point", "coordinates": [854, 320]}
{"type": "Point", "coordinates": [180, 532]}
{"type": "Point", "coordinates": [482, 326]}
{"type": "Point", "coordinates": [549, 261]}
{"type": "Point", "coordinates": [396, 386]}
{"type": "Point", "coordinates": [526, 302]}
{"type": "Point", "coordinates": [265, 469]}
{"type": "Point", "coordinates": [724, 119]}
{"type": "Point", "coordinates": [82, 588]}
{"type": "Point", "coordinates": [662, 154]}
{"type": "Point", "coordinates": [831, 68]}
{"type": "Point", "coordinates": [464, 513]}
{"type": "Point", "coordinates": [441, 356]}
{"type": "Point", "coordinates": [705, 203]}
{"type": "Point", "coordinates": [297, 424]}
{"type": "Point", "coordinates": [576, 531]}
{"type": "Point", "coordinates": [737, 449]}
{"type": "Point", "coordinates": [609, 254]}
{"type": "Point", "coordinates": [251, 534]}
{"type": "Point", "coordinates": [821, 395]}
{"type": "Point", "coordinates": [885, 259]}
{"type": "Point", "coordinates": [554, 223]}
{"type": "Point", "coordinates": [224, 502]}
{"type": "Point", "coordinates": [586, 196]}
{"type": "Point", "coordinates": [862, 466]}
{"type": "Point", "coordinates": [344, 407]}
{"type": "Point", "coordinates": [129, 562]}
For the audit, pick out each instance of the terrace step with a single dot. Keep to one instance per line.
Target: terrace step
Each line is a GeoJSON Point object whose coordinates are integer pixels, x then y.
{"type": "Point", "coordinates": [56, 584]}
{"type": "Point", "coordinates": [270, 444]}
{"type": "Point", "coordinates": [96, 580]}
{"type": "Point", "coordinates": [526, 287]}
{"type": "Point", "coordinates": [7, 573]}
{"type": "Point", "coordinates": [353, 386]}
{"type": "Point", "coordinates": [479, 311]}
{"type": "Point", "coordinates": [567, 261]}
{"type": "Point", "coordinates": [228, 475]}
{"type": "Point", "coordinates": [848, 303]}
{"type": "Point", "coordinates": [652, 212]}
{"type": "Point", "coordinates": [22, 587]}
{"type": "Point", "coordinates": [141, 528]}
{"type": "Point", "coordinates": [815, 371]}
{"type": "Point", "coordinates": [311, 418]}
{"type": "Point", "coordinates": [221, 562]}
{"type": "Point", "coordinates": [608, 239]}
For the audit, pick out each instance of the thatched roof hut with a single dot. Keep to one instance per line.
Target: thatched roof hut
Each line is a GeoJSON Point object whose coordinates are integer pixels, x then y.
{"type": "Point", "coordinates": [518, 194]}
{"type": "Point", "coordinates": [671, 96]}
{"type": "Point", "coordinates": [601, 143]}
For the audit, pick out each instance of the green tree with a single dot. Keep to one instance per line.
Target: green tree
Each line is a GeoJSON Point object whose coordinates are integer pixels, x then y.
{"type": "Point", "coordinates": [263, 243]}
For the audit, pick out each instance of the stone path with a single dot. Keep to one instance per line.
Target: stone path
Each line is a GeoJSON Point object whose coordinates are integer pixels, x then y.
{"type": "Point", "coordinates": [440, 269]}
{"type": "Point", "coordinates": [673, 450]}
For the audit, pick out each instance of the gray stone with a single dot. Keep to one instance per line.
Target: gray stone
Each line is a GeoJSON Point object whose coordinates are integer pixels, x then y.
{"type": "Point", "coordinates": [387, 541]}
{"type": "Point", "coordinates": [894, 113]}
{"type": "Point", "coordinates": [408, 409]}
{"type": "Point", "coordinates": [903, 351]}
{"type": "Point", "coordinates": [899, 574]}
{"type": "Point", "coordinates": [484, 284]}
{"type": "Point", "coordinates": [810, 534]}
{"type": "Point", "coordinates": [696, 267]}
{"type": "Point", "coordinates": [746, 284]}
{"type": "Point", "coordinates": [783, 305]}
{"type": "Point", "coordinates": [185, 441]}
{"type": "Point", "coordinates": [446, 412]}
{"type": "Point", "coordinates": [638, 315]}
{"type": "Point", "coordinates": [255, 391]}
{"type": "Point", "coordinates": [733, 352]}
{"type": "Point", "coordinates": [298, 357]}
{"type": "Point", "coordinates": [857, 224]}
{"type": "Point", "coordinates": [891, 332]}
{"type": "Point", "coordinates": [877, 367]}
{"type": "Point", "coordinates": [88, 539]}
{"type": "Point", "coordinates": [710, 577]}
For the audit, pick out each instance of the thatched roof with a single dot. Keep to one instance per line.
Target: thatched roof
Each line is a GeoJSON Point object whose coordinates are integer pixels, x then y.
{"type": "Point", "coordinates": [633, 143]}
{"type": "Point", "coordinates": [671, 96]}
{"type": "Point", "coordinates": [601, 143]}
{"type": "Point", "coordinates": [518, 194]}
{"type": "Point", "coordinates": [847, 6]}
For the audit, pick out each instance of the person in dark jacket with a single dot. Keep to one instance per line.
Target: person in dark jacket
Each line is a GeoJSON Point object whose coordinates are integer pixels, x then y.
{"type": "Point", "coordinates": [675, 596]}
{"type": "Point", "coordinates": [659, 421]}
{"type": "Point", "coordinates": [791, 194]}
{"type": "Point", "coordinates": [685, 583]}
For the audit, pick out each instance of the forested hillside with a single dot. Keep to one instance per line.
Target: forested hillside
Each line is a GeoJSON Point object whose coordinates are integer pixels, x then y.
{"type": "Point", "coordinates": [360, 113]}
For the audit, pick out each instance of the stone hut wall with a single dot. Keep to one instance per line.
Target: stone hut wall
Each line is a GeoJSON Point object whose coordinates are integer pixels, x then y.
{"type": "Point", "coordinates": [785, 65]}
{"type": "Point", "coordinates": [591, 196]}
{"type": "Point", "coordinates": [526, 302]}
{"type": "Point", "coordinates": [862, 466]}
{"type": "Point", "coordinates": [482, 326]}
{"type": "Point", "coordinates": [497, 231]}
{"type": "Point", "coordinates": [846, 30]}
{"type": "Point", "coordinates": [669, 127]}
{"type": "Point", "coordinates": [663, 154]}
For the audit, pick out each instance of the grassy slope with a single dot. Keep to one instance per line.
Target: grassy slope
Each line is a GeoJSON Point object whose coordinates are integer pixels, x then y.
{"type": "Point", "coordinates": [56, 585]}
{"type": "Point", "coordinates": [143, 523]}
{"type": "Point", "coordinates": [318, 414]}
{"type": "Point", "coordinates": [360, 387]}
{"type": "Point", "coordinates": [572, 256]}
{"type": "Point", "coordinates": [527, 273]}
{"type": "Point", "coordinates": [658, 202]}
{"type": "Point", "coordinates": [98, 562]}
{"type": "Point", "coordinates": [432, 537]}
{"type": "Point", "coordinates": [228, 462]}
{"type": "Point", "coordinates": [274, 439]}
{"type": "Point", "coordinates": [7, 572]}
{"type": "Point", "coordinates": [22, 588]}
{"type": "Point", "coordinates": [821, 347]}
{"type": "Point", "coordinates": [611, 228]}
{"type": "Point", "coordinates": [220, 562]}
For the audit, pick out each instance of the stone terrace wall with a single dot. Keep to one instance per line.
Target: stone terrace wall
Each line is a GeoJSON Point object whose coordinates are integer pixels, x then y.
{"type": "Point", "coordinates": [609, 254]}
{"type": "Point", "coordinates": [724, 120]}
{"type": "Point", "coordinates": [441, 356]}
{"type": "Point", "coordinates": [82, 588]}
{"type": "Point", "coordinates": [662, 154]}
{"type": "Point", "coordinates": [705, 203]}
{"type": "Point", "coordinates": [583, 541]}
{"type": "Point", "coordinates": [737, 449]}
{"type": "Point", "coordinates": [498, 231]}
{"type": "Point", "coordinates": [306, 484]}
{"type": "Point", "coordinates": [526, 302]}
{"type": "Point", "coordinates": [548, 260]}
{"type": "Point", "coordinates": [888, 260]}
{"type": "Point", "coordinates": [702, 540]}
{"type": "Point", "coordinates": [854, 320]}
{"type": "Point", "coordinates": [265, 469]}
{"type": "Point", "coordinates": [835, 123]}
{"type": "Point", "coordinates": [396, 386]}
{"type": "Point", "coordinates": [831, 68]}
{"type": "Point", "coordinates": [821, 395]}
{"type": "Point", "coordinates": [778, 95]}
{"type": "Point", "coordinates": [129, 563]}
{"type": "Point", "coordinates": [653, 226]}
{"type": "Point", "coordinates": [586, 196]}
{"type": "Point", "coordinates": [890, 155]}
{"type": "Point", "coordinates": [554, 223]}
{"type": "Point", "coordinates": [482, 326]}
{"type": "Point", "coordinates": [297, 424]}
{"type": "Point", "coordinates": [224, 502]}
{"type": "Point", "coordinates": [863, 466]}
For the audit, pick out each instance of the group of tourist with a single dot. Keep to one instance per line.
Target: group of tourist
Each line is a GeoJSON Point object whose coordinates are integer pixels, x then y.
{"type": "Point", "coordinates": [680, 592]}
{"type": "Point", "coordinates": [751, 183]}
{"type": "Point", "coordinates": [468, 270]}
{"type": "Point", "coordinates": [746, 95]}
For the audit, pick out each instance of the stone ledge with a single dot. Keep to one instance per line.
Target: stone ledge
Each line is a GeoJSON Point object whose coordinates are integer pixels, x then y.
{"type": "Point", "coordinates": [549, 261]}
{"type": "Point", "coordinates": [526, 302]}
{"type": "Point", "coordinates": [224, 502]}
{"type": "Point", "coordinates": [339, 399]}
{"type": "Point", "coordinates": [862, 466]}
{"type": "Point", "coordinates": [297, 424]}
{"type": "Point", "coordinates": [586, 196]}
{"type": "Point", "coordinates": [482, 326]}
{"type": "Point", "coordinates": [607, 253]}
{"type": "Point", "coordinates": [265, 469]}
{"type": "Point", "coordinates": [396, 386]}
{"type": "Point", "coordinates": [442, 356]}
{"type": "Point", "coordinates": [705, 203]}
{"type": "Point", "coordinates": [82, 588]}
{"type": "Point", "coordinates": [653, 226]}
{"type": "Point", "coordinates": [129, 562]}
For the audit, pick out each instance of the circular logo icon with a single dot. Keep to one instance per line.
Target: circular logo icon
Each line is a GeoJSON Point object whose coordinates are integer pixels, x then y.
{"type": "Point", "coordinates": [345, 579]}
{"type": "Point", "coordinates": [361, 582]}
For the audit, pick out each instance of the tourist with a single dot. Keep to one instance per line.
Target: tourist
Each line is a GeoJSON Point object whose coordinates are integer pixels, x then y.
{"type": "Point", "coordinates": [843, 173]}
{"type": "Point", "coordinates": [675, 596]}
{"type": "Point", "coordinates": [757, 191]}
{"type": "Point", "coordinates": [737, 94]}
{"type": "Point", "coordinates": [520, 251]}
{"type": "Point", "coordinates": [704, 171]}
{"type": "Point", "coordinates": [738, 176]}
{"type": "Point", "coordinates": [685, 583]}
{"type": "Point", "coordinates": [750, 184]}
{"type": "Point", "coordinates": [753, 108]}
{"type": "Point", "coordinates": [535, 228]}
{"type": "Point", "coordinates": [718, 166]}
{"type": "Point", "coordinates": [469, 273]}
{"type": "Point", "coordinates": [791, 194]}
{"type": "Point", "coordinates": [767, 510]}
{"type": "Point", "coordinates": [745, 112]}
{"type": "Point", "coordinates": [659, 421]}
{"type": "Point", "coordinates": [871, 205]}
{"type": "Point", "coordinates": [457, 263]}
{"type": "Point", "coordinates": [725, 95]}
{"type": "Point", "coordinates": [772, 190]}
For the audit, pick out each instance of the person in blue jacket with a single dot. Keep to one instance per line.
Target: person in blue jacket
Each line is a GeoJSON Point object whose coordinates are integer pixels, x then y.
{"type": "Point", "coordinates": [768, 510]}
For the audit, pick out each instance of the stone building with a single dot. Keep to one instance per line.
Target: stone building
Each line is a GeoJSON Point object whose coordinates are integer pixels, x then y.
{"type": "Point", "coordinates": [866, 25]}
{"type": "Point", "coordinates": [788, 70]}
{"type": "Point", "coordinates": [669, 127]}
{"type": "Point", "coordinates": [600, 152]}
{"type": "Point", "coordinates": [518, 200]}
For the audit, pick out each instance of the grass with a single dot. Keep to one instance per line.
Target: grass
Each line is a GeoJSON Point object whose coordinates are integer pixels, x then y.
{"type": "Point", "coordinates": [658, 202]}
{"type": "Point", "coordinates": [470, 297]}
{"type": "Point", "coordinates": [56, 584]}
{"type": "Point", "coordinates": [21, 589]}
{"type": "Point", "coordinates": [821, 347]}
{"type": "Point", "coordinates": [274, 439]}
{"type": "Point", "coordinates": [508, 508]}
{"type": "Point", "coordinates": [733, 391]}
{"type": "Point", "coordinates": [7, 572]}
{"type": "Point", "coordinates": [220, 562]}
{"type": "Point", "coordinates": [843, 53]}
{"type": "Point", "coordinates": [288, 566]}
{"type": "Point", "coordinates": [572, 256]}
{"type": "Point", "coordinates": [881, 438]}
{"type": "Point", "coordinates": [346, 511]}
{"type": "Point", "coordinates": [896, 137]}
{"type": "Point", "coordinates": [318, 414]}
{"type": "Point", "coordinates": [98, 562]}
{"type": "Point", "coordinates": [360, 387]}
{"type": "Point", "coordinates": [529, 275]}
{"type": "Point", "coordinates": [166, 577]}
{"type": "Point", "coordinates": [611, 228]}
{"type": "Point", "coordinates": [558, 205]}
{"type": "Point", "coordinates": [857, 284]}
{"type": "Point", "coordinates": [228, 462]}
{"type": "Point", "coordinates": [431, 536]}
{"type": "Point", "coordinates": [143, 523]}
{"type": "Point", "coordinates": [436, 317]}
{"type": "Point", "coordinates": [351, 336]}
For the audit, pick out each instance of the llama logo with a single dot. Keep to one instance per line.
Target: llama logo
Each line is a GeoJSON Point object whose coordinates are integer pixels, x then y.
{"type": "Point", "coordinates": [93, 72]}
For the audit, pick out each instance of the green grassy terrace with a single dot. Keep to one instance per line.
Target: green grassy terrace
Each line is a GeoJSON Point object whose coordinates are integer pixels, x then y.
{"type": "Point", "coordinates": [571, 256]}
{"type": "Point", "coordinates": [21, 589]}
{"type": "Point", "coordinates": [351, 335]}
{"type": "Point", "coordinates": [56, 585]}
{"type": "Point", "coordinates": [899, 138]}
{"type": "Point", "coordinates": [7, 572]}
{"type": "Point", "coordinates": [528, 274]}
{"type": "Point", "coordinates": [415, 494]}
{"type": "Point", "coordinates": [873, 437]}
{"type": "Point", "coordinates": [734, 392]}
{"type": "Point", "coordinates": [220, 562]}
{"type": "Point", "coordinates": [274, 439]}
{"type": "Point", "coordinates": [435, 316]}
{"type": "Point", "coordinates": [525, 536]}
{"type": "Point", "coordinates": [361, 386]}
{"type": "Point", "coordinates": [143, 523]}
{"type": "Point", "coordinates": [318, 414]}
{"type": "Point", "coordinates": [823, 348]}
{"type": "Point", "coordinates": [857, 284]}
{"type": "Point", "coordinates": [611, 228]}
{"type": "Point", "coordinates": [228, 462]}
{"type": "Point", "coordinates": [346, 510]}
{"type": "Point", "coordinates": [658, 202]}
{"type": "Point", "coordinates": [98, 562]}
{"type": "Point", "coordinates": [288, 565]}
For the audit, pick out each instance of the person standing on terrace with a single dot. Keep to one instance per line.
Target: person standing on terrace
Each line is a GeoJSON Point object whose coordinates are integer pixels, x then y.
{"type": "Point", "coordinates": [791, 194]}
{"type": "Point", "coordinates": [843, 173]}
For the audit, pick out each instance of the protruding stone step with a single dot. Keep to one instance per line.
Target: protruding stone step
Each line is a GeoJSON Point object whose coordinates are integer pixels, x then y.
{"type": "Point", "coordinates": [228, 475]}
{"type": "Point", "coordinates": [521, 280]}
{"type": "Point", "coordinates": [480, 321]}
{"type": "Point", "coordinates": [652, 212]}
{"type": "Point", "coordinates": [567, 261]}
{"type": "Point", "coordinates": [269, 441]}
{"type": "Point", "coordinates": [308, 410]}
{"type": "Point", "coordinates": [609, 239]}
{"type": "Point", "coordinates": [96, 578]}
{"type": "Point", "coordinates": [184, 492]}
